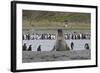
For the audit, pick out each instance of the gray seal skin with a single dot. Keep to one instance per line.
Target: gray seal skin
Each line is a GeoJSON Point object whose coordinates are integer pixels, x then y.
{"type": "Point", "coordinates": [60, 44]}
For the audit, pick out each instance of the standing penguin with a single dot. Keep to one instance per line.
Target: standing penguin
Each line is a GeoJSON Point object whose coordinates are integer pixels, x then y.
{"type": "Point", "coordinates": [39, 48]}
{"type": "Point", "coordinates": [24, 47]}
{"type": "Point", "coordinates": [60, 44]}
{"type": "Point", "coordinates": [30, 48]}
{"type": "Point", "coordinates": [72, 45]}
{"type": "Point", "coordinates": [86, 46]}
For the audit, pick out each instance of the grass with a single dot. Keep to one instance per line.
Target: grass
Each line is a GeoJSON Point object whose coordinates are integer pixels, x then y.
{"type": "Point", "coordinates": [51, 20]}
{"type": "Point", "coordinates": [55, 25]}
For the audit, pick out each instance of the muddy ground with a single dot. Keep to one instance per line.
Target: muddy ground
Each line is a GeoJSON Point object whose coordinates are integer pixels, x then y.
{"type": "Point", "coordinates": [45, 56]}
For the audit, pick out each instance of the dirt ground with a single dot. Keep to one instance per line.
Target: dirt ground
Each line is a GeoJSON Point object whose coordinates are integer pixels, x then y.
{"type": "Point", "coordinates": [44, 56]}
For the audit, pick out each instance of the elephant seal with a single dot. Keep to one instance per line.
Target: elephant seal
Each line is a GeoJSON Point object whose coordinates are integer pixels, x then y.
{"type": "Point", "coordinates": [60, 44]}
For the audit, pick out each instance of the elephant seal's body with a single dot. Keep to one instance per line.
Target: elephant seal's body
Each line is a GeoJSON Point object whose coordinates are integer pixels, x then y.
{"type": "Point", "coordinates": [60, 44]}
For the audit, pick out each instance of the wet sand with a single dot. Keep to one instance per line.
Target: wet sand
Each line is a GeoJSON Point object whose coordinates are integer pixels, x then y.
{"type": "Point", "coordinates": [45, 56]}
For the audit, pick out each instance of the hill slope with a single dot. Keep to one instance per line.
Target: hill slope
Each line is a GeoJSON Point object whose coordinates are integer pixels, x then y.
{"type": "Point", "coordinates": [55, 19]}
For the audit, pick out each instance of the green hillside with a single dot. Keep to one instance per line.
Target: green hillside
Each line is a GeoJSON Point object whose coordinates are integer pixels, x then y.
{"type": "Point", "coordinates": [55, 19]}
